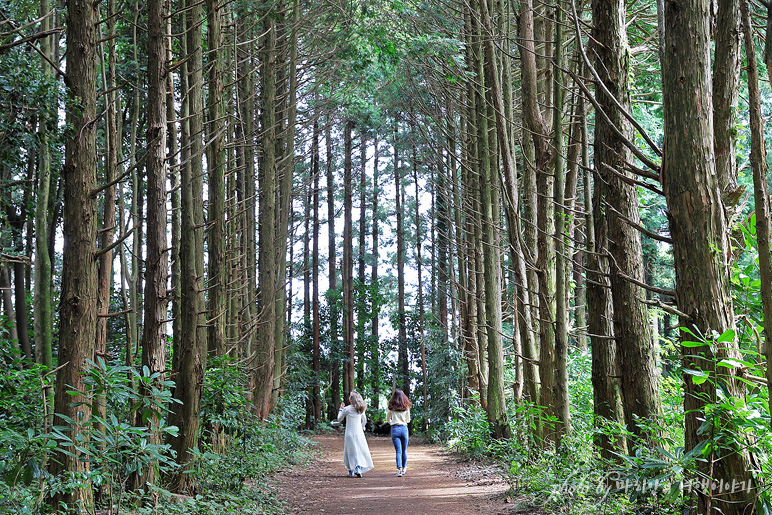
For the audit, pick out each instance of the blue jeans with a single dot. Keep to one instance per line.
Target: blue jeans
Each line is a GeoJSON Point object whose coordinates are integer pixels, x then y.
{"type": "Point", "coordinates": [399, 438]}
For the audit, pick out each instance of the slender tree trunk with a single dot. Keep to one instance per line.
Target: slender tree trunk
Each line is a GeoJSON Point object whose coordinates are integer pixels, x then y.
{"type": "Point", "coordinates": [560, 387]}
{"type": "Point", "coordinates": [335, 351]}
{"type": "Point", "coordinates": [420, 299]}
{"type": "Point", "coordinates": [9, 324]}
{"type": "Point", "coordinates": [375, 349]}
{"type": "Point", "coordinates": [287, 166]}
{"type": "Point", "coordinates": [760, 186]}
{"type": "Point", "coordinates": [316, 365]}
{"type": "Point", "coordinates": [42, 306]}
{"type": "Point", "coordinates": [618, 202]}
{"type": "Point", "coordinates": [78, 308]}
{"type": "Point", "coordinates": [348, 263]}
{"type": "Point", "coordinates": [700, 244]}
{"type": "Point", "coordinates": [361, 290]}
{"type": "Point", "coordinates": [156, 264]}
{"type": "Point", "coordinates": [105, 274]}
{"type": "Point", "coordinates": [215, 157]}
{"type": "Point", "coordinates": [179, 343]}
{"type": "Point", "coordinates": [443, 227]}
{"type": "Point", "coordinates": [267, 251]}
{"type": "Point", "coordinates": [726, 80]}
{"type": "Point", "coordinates": [465, 232]}
{"type": "Point", "coordinates": [536, 127]}
{"type": "Point", "coordinates": [246, 156]}
{"type": "Point", "coordinates": [402, 351]}
{"type": "Point", "coordinates": [497, 409]}
{"type": "Point", "coordinates": [175, 162]}
{"type": "Point", "coordinates": [192, 347]}
{"type": "Point", "coordinates": [482, 160]}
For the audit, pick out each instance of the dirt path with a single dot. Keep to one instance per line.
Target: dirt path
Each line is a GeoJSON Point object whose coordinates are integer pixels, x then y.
{"type": "Point", "coordinates": [434, 484]}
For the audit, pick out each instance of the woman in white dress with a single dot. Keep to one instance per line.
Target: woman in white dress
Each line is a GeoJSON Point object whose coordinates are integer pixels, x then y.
{"type": "Point", "coordinates": [356, 453]}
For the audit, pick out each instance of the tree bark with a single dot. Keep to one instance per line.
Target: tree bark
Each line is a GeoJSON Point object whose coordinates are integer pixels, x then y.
{"type": "Point", "coordinates": [335, 351]}
{"type": "Point", "coordinates": [42, 306]}
{"type": "Point", "coordinates": [375, 349]}
{"type": "Point", "coordinates": [192, 346]}
{"type": "Point", "coordinates": [348, 263]}
{"type": "Point", "coordinates": [726, 79]}
{"type": "Point", "coordinates": [316, 365]}
{"type": "Point", "coordinates": [362, 288]}
{"type": "Point", "coordinates": [618, 202]}
{"type": "Point", "coordinates": [77, 313]}
{"type": "Point", "coordinates": [402, 351]}
{"type": "Point", "coordinates": [215, 157]}
{"type": "Point", "coordinates": [156, 263]}
{"type": "Point", "coordinates": [760, 187]}
{"type": "Point", "coordinates": [267, 250]}
{"type": "Point", "coordinates": [490, 197]}
{"type": "Point", "coordinates": [700, 244]}
{"type": "Point", "coordinates": [560, 387]}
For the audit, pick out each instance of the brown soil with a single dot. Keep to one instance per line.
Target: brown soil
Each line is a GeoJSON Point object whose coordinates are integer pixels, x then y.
{"type": "Point", "coordinates": [434, 484]}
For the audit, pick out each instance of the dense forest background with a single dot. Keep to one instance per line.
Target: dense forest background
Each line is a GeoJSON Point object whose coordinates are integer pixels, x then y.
{"type": "Point", "coordinates": [547, 222]}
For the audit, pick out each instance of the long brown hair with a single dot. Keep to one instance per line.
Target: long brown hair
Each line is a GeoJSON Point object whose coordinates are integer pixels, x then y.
{"type": "Point", "coordinates": [357, 401]}
{"type": "Point", "coordinates": [399, 401]}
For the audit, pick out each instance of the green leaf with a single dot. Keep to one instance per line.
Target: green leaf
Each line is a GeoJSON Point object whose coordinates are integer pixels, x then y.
{"type": "Point", "coordinates": [698, 376]}
{"type": "Point", "coordinates": [730, 363]}
{"type": "Point", "coordinates": [726, 336]}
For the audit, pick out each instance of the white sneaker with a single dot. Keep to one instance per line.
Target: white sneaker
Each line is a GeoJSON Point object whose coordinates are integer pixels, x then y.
{"type": "Point", "coordinates": [404, 470]}
{"type": "Point", "coordinates": [400, 473]}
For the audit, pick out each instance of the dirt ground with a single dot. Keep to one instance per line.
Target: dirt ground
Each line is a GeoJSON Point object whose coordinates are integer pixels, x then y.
{"type": "Point", "coordinates": [434, 484]}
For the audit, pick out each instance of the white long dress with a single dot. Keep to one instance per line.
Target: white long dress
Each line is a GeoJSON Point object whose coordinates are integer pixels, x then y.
{"type": "Point", "coordinates": [356, 452]}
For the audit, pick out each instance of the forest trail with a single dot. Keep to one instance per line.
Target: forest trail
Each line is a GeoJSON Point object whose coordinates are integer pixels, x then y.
{"type": "Point", "coordinates": [434, 483]}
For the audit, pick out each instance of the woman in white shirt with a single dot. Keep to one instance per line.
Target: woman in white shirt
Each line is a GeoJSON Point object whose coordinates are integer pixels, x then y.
{"type": "Point", "coordinates": [356, 453]}
{"type": "Point", "coordinates": [398, 417]}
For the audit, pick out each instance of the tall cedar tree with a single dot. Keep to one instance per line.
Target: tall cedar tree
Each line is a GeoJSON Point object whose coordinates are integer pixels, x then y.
{"type": "Point", "coordinates": [77, 313]}
{"type": "Point", "coordinates": [617, 200]}
{"type": "Point", "coordinates": [700, 243]}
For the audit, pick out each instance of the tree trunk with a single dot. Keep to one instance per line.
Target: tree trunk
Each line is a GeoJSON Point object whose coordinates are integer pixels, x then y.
{"type": "Point", "coordinates": [43, 285]}
{"type": "Point", "coordinates": [335, 351]}
{"type": "Point", "coordinates": [348, 263]}
{"type": "Point", "coordinates": [760, 186]}
{"type": "Point", "coordinates": [77, 312]}
{"type": "Point", "coordinates": [361, 290]}
{"type": "Point", "coordinates": [560, 387]}
{"type": "Point", "coordinates": [105, 274]}
{"type": "Point", "coordinates": [618, 202]}
{"type": "Point", "coordinates": [700, 247]}
{"type": "Point", "coordinates": [375, 349]}
{"type": "Point", "coordinates": [402, 351]}
{"type": "Point", "coordinates": [497, 409]}
{"type": "Point", "coordinates": [215, 158]}
{"type": "Point", "coordinates": [192, 347]}
{"type": "Point", "coordinates": [156, 264]}
{"type": "Point", "coordinates": [726, 79]}
{"type": "Point", "coordinates": [316, 365]}
{"type": "Point", "coordinates": [268, 249]}
{"type": "Point", "coordinates": [287, 108]}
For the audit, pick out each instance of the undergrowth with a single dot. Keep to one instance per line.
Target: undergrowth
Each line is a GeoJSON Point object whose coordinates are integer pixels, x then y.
{"type": "Point", "coordinates": [236, 453]}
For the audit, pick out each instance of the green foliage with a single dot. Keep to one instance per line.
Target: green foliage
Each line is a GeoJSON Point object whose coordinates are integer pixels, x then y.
{"type": "Point", "coordinates": [23, 444]}
{"type": "Point", "coordinates": [114, 444]}
{"type": "Point", "coordinates": [225, 400]}
{"type": "Point", "coordinates": [232, 478]}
